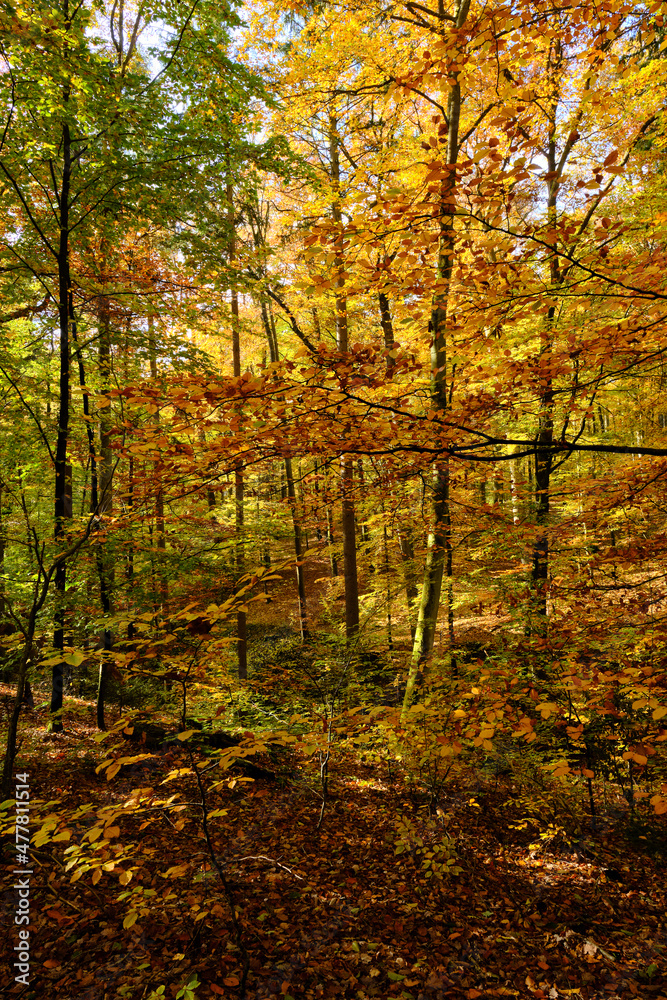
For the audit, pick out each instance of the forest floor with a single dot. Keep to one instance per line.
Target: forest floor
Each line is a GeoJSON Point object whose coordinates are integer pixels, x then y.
{"type": "Point", "coordinates": [485, 891]}
{"type": "Point", "coordinates": [335, 911]}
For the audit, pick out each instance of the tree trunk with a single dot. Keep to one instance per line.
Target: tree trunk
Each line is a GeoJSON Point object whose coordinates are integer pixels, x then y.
{"type": "Point", "coordinates": [387, 330]}
{"type": "Point", "coordinates": [545, 430]}
{"type": "Point", "coordinates": [387, 578]}
{"type": "Point", "coordinates": [407, 548]}
{"type": "Point", "coordinates": [364, 533]}
{"type": "Point", "coordinates": [333, 562]}
{"type": "Point", "coordinates": [298, 548]}
{"type": "Point", "coordinates": [106, 454]}
{"type": "Point", "coordinates": [347, 464]}
{"type": "Point", "coordinates": [98, 499]}
{"type": "Point", "coordinates": [239, 485]}
{"type": "Point", "coordinates": [40, 593]}
{"type": "Point", "coordinates": [63, 489]}
{"type": "Point", "coordinates": [438, 556]}
{"type": "Point", "coordinates": [12, 732]}
{"type": "Point", "coordinates": [349, 549]}
{"type": "Point", "coordinates": [436, 562]}
{"type": "Point", "coordinates": [269, 329]}
{"type": "Point", "coordinates": [159, 498]}
{"type": "Point", "coordinates": [3, 547]}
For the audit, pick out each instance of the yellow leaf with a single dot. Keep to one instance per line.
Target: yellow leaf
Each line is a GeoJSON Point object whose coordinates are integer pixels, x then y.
{"type": "Point", "coordinates": [97, 875]}
{"type": "Point", "coordinates": [659, 803]}
{"type": "Point", "coordinates": [175, 872]}
{"type": "Point", "coordinates": [130, 919]}
{"type": "Point", "coordinates": [660, 713]}
{"type": "Point", "coordinates": [547, 708]}
{"type": "Point", "coordinates": [124, 877]}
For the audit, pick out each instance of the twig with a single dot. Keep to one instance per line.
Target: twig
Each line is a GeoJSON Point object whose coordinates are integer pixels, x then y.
{"type": "Point", "coordinates": [240, 944]}
{"type": "Point", "coordinates": [263, 857]}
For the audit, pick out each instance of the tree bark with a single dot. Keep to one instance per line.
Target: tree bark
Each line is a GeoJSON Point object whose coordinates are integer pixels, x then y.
{"type": "Point", "coordinates": [438, 556]}
{"type": "Point", "coordinates": [3, 547]}
{"type": "Point", "coordinates": [62, 488]}
{"type": "Point", "coordinates": [269, 329]}
{"type": "Point", "coordinates": [98, 499]}
{"type": "Point", "coordinates": [387, 330]}
{"type": "Point", "coordinates": [348, 524]}
{"type": "Point", "coordinates": [298, 548]}
{"type": "Point", "coordinates": [161, 540]}
{"type": "Point", "coordinates": [239, 485]}
{"type": "Point", "coordinates": [406, 544]}
{"type": "Point", "coordinates": [538, 621]}
{"type": "Point", "coordinates": [349, 549]}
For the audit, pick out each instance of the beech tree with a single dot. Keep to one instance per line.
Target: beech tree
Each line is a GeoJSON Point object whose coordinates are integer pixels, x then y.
{"type": "Point", "coordinates": [86, 132]}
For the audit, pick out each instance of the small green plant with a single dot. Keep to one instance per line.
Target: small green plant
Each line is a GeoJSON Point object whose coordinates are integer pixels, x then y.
{"type": "Point", "coordinates": [187, 992]}
{"type": "Point", "coordinates": [430, 847]}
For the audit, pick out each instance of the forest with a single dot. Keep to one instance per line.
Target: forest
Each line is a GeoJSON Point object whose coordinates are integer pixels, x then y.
{"type": "Point", "coordinates": [333, 499]}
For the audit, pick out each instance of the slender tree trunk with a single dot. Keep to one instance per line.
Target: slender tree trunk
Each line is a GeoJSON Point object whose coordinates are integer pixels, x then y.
{"type": "Point", "coordinates": [364, 533]}
{"type": "Point", "coordinates": [436, 562]}
{"type": "Point", "coordinates": [40, 592]}
{"type": "Point", "coordinates": [105, 413]}
{"type": "Point", "coordinates": [407, 547]}
{"type": "Point", "coordinates": [210, 493]}
{"type": "Point", "coordinates": [318, 528]}
{"type": "Point", "coordinates": [333, 562]}
{"type": "Point", "coordinates": [387, 577]}
{"type": "Point", "coordinates": [269, 329]}
{"type": "Point", "coordinates": [3, 547]}
{"type": "Point", "coordinates": [340, 293]}
{"type": "Point", "coordinates": [12, 732]}
{"type": "Point", "coordinates": [316, 324]}
{"type": "Point", "coordinates": [514, 492]}
{"type": "Point", "coordinates": [387, 330]}
{"type": "Point", "coordinates": [349, 549]}
{"type": "Point", "coordinates": [21, 682]}
{"type": "Point", "coordinates": [63, 488]}
{"type": "Point", "coordinates": [98, 499]}
{"type": "Point", "coordinates": [545, 429]}
{"type": "Point", "coordinates": [298, 548]}
{"type": "Point", "coordinates": [438, 558]}
{"type": "Point", "coordinates": [239, 485]}
{"type": "Point", "coordinates": [129, 565]}
{"type": "Point", "coordinates": [348, 520]}
{"type": "Point", "coordinates": [161, 540]}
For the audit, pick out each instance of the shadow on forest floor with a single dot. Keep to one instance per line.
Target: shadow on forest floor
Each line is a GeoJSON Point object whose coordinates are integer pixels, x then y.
{"type": "Point", "coordinates": [333, 911]}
